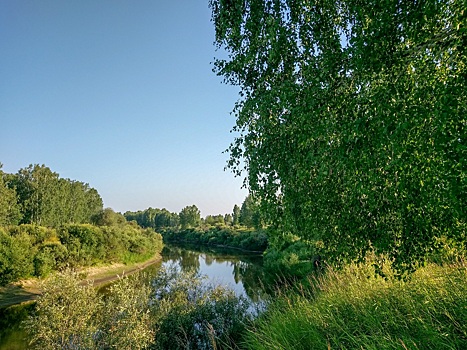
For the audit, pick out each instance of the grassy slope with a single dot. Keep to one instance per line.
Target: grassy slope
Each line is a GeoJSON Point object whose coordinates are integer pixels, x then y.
{"type": "Point", "coordinates": [353, 309]}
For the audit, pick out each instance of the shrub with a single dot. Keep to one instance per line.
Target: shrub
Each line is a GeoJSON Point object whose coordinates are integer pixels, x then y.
{"type": "Point", "coordinates": [191, 314]}
{"type": "Point", "coordinates": [174, 311]}
{"type": "Point", "coordinates": [65, 315]}
{"type": "Point", "coordinates": [50, 257]}
{"type": "Point", "coordinates": [69, 315]}
{"type": "Point", "coordinates": [296, 260]}
{"type": "Point", "coordinates": [38, 234]}
{"type": "Point", "coordinates": [125, 321]}
{"type": "Point", "coordinates": [16, 257]}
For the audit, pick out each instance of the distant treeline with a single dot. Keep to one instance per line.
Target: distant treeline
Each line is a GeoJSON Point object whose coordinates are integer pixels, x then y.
{"type": "Point", "coordinates": [34, 251]}
{"type": "Point", "coordinates": [241, 238]}
{"type": "Point", "coordinates": [248, 215]}
{"type": "Point", "coordinates": [37, 195]}
{"type": "Point", "coordinates": [243, 228]}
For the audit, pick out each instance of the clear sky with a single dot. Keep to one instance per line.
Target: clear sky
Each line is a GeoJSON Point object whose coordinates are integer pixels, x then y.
{"type": "Point", "coordinates": [120, 95]}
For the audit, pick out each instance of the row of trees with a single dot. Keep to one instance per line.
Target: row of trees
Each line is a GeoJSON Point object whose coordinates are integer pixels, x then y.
{"type": "Point", "coordinates": [351, 120]}
{"type": "Point", "coordinates": [247, 239]}
{"type": "Point", "coordinates": [37, 195]}
{"type": "Point", "coordinates": [190, 217]}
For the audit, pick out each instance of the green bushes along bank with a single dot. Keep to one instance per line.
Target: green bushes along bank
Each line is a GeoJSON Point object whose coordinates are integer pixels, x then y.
{"type": "Point", "coordinates": [35, 251]}
{"type": "Point", "coordinates": [245, 239]}
{"type": "Point", "coordinates": [173, 310]}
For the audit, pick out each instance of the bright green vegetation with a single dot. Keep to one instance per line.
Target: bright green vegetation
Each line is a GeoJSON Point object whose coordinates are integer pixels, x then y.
{"type": "Point", "coordinates": [36, 195]}
{"type": "Point", "coordinates": [173, 310]}
{"type": "Point", "coordinates": [352, 120]}
{"type": "Point", "coordinates": [241, 238]}
{"type": "Point", "coordinates": [352, 132]}
{"type": "Point", "coordinates": [355, 308]}
{"type": "Point", "coordinates": [48, 223]}
{"type": "Point", "coordinates": [35, 251]}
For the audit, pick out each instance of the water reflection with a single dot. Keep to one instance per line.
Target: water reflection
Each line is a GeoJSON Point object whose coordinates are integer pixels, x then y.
{"type": "Point", "coordinates": [242, 272]}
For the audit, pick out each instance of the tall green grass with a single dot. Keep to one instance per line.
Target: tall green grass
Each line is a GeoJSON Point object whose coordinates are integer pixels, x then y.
{"type": "Point", "coordinates": [357, 309]}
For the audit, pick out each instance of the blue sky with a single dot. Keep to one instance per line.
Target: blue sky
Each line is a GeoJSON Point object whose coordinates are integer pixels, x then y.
{"type": "Point", "coordinates": [121, 95]}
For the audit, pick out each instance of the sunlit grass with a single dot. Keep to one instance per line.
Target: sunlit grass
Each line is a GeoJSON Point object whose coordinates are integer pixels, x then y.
{"type": "Point", "coordinates": [356, 309]}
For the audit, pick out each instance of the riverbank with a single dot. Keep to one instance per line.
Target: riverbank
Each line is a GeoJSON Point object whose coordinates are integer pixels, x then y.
{"type": "Point", "coordinates": [212, 245]}
{"type": "Point", "coordinates": [28, 290]}
{"type": "Point", "coordinates": [242, 239]}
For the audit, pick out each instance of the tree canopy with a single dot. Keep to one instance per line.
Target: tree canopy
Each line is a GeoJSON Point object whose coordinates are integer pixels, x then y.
{"type": "Point", "coordinates": [10, 213]}
{"type": "Point", "coordinates": [37, 195]}
{"type": "Point", "coordinates": [190, 216]}
{"type": "Point", "coordinates": [352, 119]}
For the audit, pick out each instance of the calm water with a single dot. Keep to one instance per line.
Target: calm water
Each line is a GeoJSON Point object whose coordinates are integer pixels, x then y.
{"type": "Point", "coordinates": [241, 272]}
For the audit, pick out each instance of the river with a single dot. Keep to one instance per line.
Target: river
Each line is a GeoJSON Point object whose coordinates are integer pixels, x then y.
{"type": "Point", "coordinates": [241, 271]}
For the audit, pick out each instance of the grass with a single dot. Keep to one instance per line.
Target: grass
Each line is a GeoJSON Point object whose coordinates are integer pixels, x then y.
{"type": "Point", "coordinates": [356, 309]}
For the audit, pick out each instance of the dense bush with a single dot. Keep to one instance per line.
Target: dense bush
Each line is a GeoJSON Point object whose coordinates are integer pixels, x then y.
{"type": "Point", "coordinates": [191, 314]}
{"type": "Point", "coordinates": [49, 257]}
{"type": "Point", "coordinates": [16, 256]}
{"type": "Point", "coordinates": [30, 250]}
{"type": "Point", "coordinates": [70, 315]}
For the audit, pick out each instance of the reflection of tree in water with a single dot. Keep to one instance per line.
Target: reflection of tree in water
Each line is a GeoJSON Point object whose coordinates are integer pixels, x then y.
{"type": "Point", "coordinates": [251, 275]}
{"type": "Point", "coordinates": [246, 268]}
{"type": "Point", "coordinates": [208, 259]}
{"type": "Point", "coordinates": [188, 260]}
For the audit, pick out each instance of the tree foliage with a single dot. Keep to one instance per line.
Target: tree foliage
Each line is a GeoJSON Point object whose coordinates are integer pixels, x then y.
{"type": "Point", "coordinates": [158, 219]}
{"type": "Point", "coordinates": [10, 213]}
{"type": "Point", "coordinates": [236, 215]}
{"type": "Point", "coordinates": [250, 214]}
{"type": "Point", "coordinates": [352, 119]}
{"type": "Point", "coordinates": [190, 216]}
{"type": "Point", "coordinates": [46, 199]}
